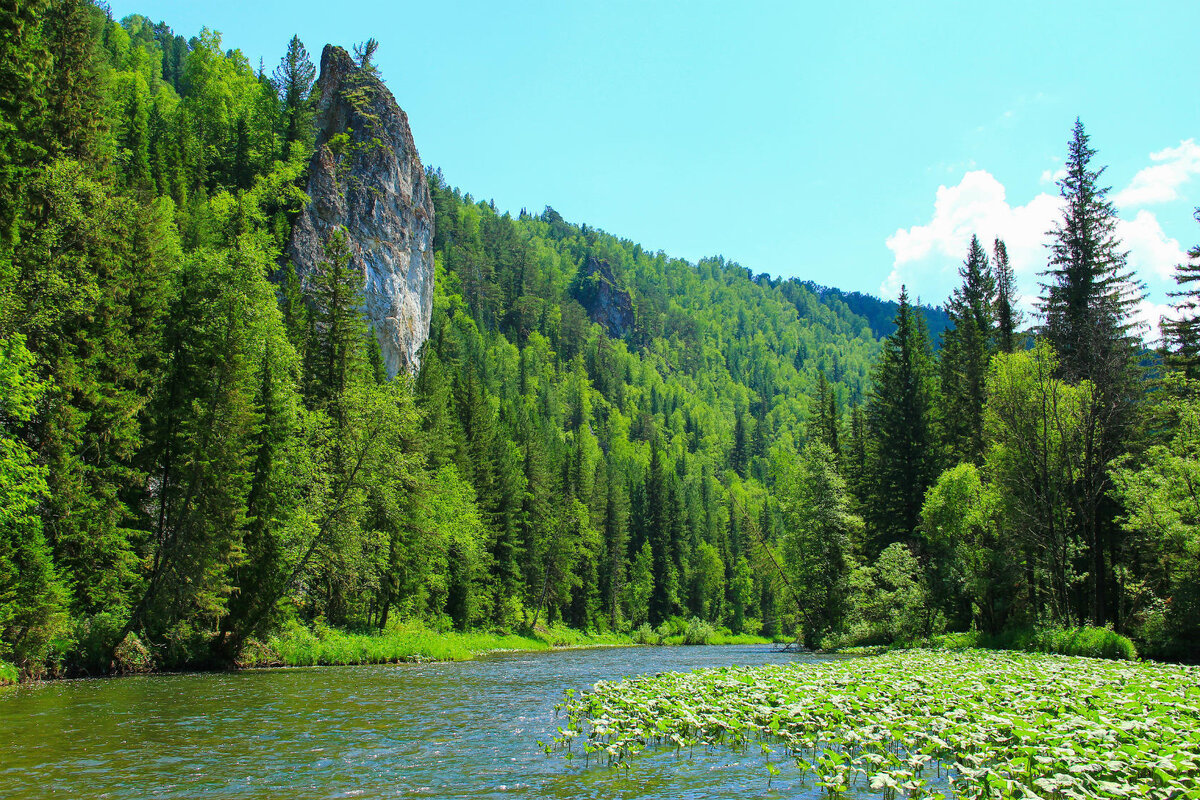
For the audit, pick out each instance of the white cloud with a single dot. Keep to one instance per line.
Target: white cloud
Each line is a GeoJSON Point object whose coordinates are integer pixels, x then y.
{"type": "Point", "coordinates": [1149, 314]}
{"type": "Point", "coordinates": [1053, 176]}
{"type": "Point", "coordinates": [1151, 251]}
{"type": "Point", "coordinates": [926, 257]}
{"type": "Point", "coordinates": [1160, 183]}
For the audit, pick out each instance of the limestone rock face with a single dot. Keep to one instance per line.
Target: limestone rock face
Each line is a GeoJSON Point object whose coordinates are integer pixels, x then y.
{"type": "Point", "coordinates": [367, 177]}
{"type": "Point", "coordinates": [597, 290]}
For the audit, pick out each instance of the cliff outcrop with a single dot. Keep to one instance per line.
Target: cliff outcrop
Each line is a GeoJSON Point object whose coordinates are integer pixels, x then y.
{"type": "Point", "coordinates": [367, 177]}
{"type": "Point", "coordinates": [607, 303]}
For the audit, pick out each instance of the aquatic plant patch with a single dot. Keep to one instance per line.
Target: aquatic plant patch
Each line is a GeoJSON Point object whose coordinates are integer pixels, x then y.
{"type": "Point", "coordinates": [920, 723]}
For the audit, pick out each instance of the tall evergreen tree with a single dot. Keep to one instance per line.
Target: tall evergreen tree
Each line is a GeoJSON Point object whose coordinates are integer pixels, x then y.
{"type": "Point", "coordinates": [1181, 333]}
{"type": "Point", "coordinates": [1090, 294]}
{"type": "Point", "coordinates": [903, 453]}
{"type": "Point", "coordinates": [966, 351]}
{"type": "Point", "coordinates": [1008, 316]}
{"type": "Point", "coordinates": [1089, 303]}
{"type": "Point", "coordinates": [294, 79]}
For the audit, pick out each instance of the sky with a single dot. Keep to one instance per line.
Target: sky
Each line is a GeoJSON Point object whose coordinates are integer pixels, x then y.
{"type": "Point", "coordinates": [858, 145]}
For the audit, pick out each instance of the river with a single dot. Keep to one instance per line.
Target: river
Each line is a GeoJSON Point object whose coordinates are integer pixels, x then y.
{"type": "Point", "coordinates": [424, 730]}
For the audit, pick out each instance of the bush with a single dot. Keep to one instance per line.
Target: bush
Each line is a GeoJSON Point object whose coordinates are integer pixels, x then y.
{"type": "Point", "coordinates": [92, 642]}
{"type": "Point", "coordinates": [646, 635]}
{"type": "Point", "coordinates": [8, 673]}
{"type": "Point", "coordinates": [698, 632]}
{"type": "Point", "coordinates": [132, 657]}
{"type": "Point", "coordinates": [1085, 641]}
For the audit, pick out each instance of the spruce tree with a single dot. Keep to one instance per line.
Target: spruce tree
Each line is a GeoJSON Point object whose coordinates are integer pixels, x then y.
{"type": "Point", "coordinates": [1090, 295]}
{"type": "Point", "coordinates": [293, 80]}
{"type": "Point", "coordinates": [966, 351]}
{"type": "Point", "coordinates": [1181, 334]}
{"type": "Point", "coordinates": [903, 455]}
{"type": "Point", "coordinates": [1008, 317]}
{"type": "Point", "coordinates": [1089, 303]}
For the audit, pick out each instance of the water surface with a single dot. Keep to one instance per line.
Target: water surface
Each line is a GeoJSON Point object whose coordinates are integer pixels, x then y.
{"type": "Point", "coordinates": [434, 730]}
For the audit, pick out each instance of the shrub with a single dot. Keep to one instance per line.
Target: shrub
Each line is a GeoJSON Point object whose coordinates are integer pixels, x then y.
{"type": "Point", "coordinates": [131, 656]}
{"type": "Point", "coordinates": [646, 635]}
{"type": "Point", "coordinates": [1085, 641]}
{"type": "Point", "coordinates": [8, 673]}
{"type": "Point", "coordinates": [698, 632]}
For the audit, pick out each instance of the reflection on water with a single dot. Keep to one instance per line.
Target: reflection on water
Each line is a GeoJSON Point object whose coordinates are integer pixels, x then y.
{"type": "Point", "coordinates": [434, 730]}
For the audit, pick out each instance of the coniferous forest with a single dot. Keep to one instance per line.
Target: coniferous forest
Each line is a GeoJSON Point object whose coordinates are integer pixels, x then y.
{"type": "Point", "coordinates": [198, 447]}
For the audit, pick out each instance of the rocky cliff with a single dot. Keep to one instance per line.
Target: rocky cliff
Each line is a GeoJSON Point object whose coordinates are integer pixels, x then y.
{"type": "Point", "coordinates": [597, 290]}
{"type": "Point", "coordinates": [366, 176]}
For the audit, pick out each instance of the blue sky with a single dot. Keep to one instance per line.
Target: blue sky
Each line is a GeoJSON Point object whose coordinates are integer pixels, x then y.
{"type": "Point", "coordinates": [857, 145]}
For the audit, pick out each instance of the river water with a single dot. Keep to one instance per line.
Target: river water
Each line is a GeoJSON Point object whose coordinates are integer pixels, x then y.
{"type": "Point", "coordinates": [422, 730]}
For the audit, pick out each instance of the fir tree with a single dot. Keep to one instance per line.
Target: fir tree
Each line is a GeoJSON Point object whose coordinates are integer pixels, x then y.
{"type": "Point", "coordinates": [293, 80]}
{"type": "Point", "coordinates": [1090, 296]}
{"type": "Point", "coordinates": [903, 457]}
{"type": "Point", "coordinates": [1181, 334]}
{"type": "Point", "coordinates": [1089, 304]}
{"type": "Point", "coordinates": [965, 354]}
{"type": "Point", "coordinates": [1008, 317]}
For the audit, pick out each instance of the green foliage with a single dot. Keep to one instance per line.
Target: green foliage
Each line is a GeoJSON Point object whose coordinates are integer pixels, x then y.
{"type": "Point", "coordinates": [1084, 641]}
{"type": "Point", "coordinates": [1163, 520]}
{"type": "Point", "coordinates": [816, 546]}
{"type": "Point", "coordinates": [1037, 425]}
{"type": "Point", "coordinates": [300, 645]}
{"type": "Point", "coordinates": [902, 457]}
{"type": "Point", "coordinates": [198, 446]}
{"type": "Point", "coordinates": [32, 598]}
{"type": "Point", "coordinates": [973, 574]}
{"type": "Point", "coordinates": [889, 601]}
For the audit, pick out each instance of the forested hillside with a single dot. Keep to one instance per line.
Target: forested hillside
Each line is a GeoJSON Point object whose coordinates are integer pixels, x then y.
{"type": "Point", "coordinates": [199, 446]}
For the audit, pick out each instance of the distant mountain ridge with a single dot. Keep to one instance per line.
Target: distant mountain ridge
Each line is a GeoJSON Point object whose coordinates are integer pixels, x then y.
{"type": "Point", "coordinates": [880, 314]}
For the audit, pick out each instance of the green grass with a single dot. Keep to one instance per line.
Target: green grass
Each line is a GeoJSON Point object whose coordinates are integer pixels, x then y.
{"type": "Point", "coordinates": [8, 674]}
{"type": "Point", "coordinates": [299, 646]}
{"type": "Point", "coordinates": [919, 723]}
{"type": "Point", "coordinates": [1086, 641]}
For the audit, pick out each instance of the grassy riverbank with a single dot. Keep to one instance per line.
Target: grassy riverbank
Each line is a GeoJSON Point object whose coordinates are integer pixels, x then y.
{"type": "Point", "coordinates": [8, 674]}
{"type": "Point", "coordinates": [301, 646]}
{"type": "Point", "coordinates": [1086, 641]}
{"type": "Point", "coordinates": [971, 723]}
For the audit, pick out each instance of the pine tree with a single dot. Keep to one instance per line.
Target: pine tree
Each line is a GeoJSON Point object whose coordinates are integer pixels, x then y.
{"type": "Point", "coordinates": [337, 351]}
{"type": "Point", "coordinates": [293, 80]}
{"type": "Point", "coordinates": [658, 534]}
{"type": "Point", "coordinates": [902, 457]}
{"type": "Point", "coordinates": [816, 545]}
{"type": "Point", "coordinates": [1089, 304]}
{"type": "Point", "coordinates": [1008, 317]}
{"type": "Point", "coordinates": [1181, 334]}
{"type": "Point", "coordinates": [823, 425]}
{"type": "Point", "coordinates": [738, 455]}
{"type": "Point", "coordinates": [965, 354]}
{"type": "Point", "coordinates": [1091, 295]}
{"type": "Point", "coordinates": [24, 63]}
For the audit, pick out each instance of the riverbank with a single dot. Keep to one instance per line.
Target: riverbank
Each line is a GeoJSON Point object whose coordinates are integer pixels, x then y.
{"type": "Point", "coordinates": [8, 674]}
{"type": "Point", "coordinates": [1088, 641]}
{"type": "Point", "coordinates": [301, 646]}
